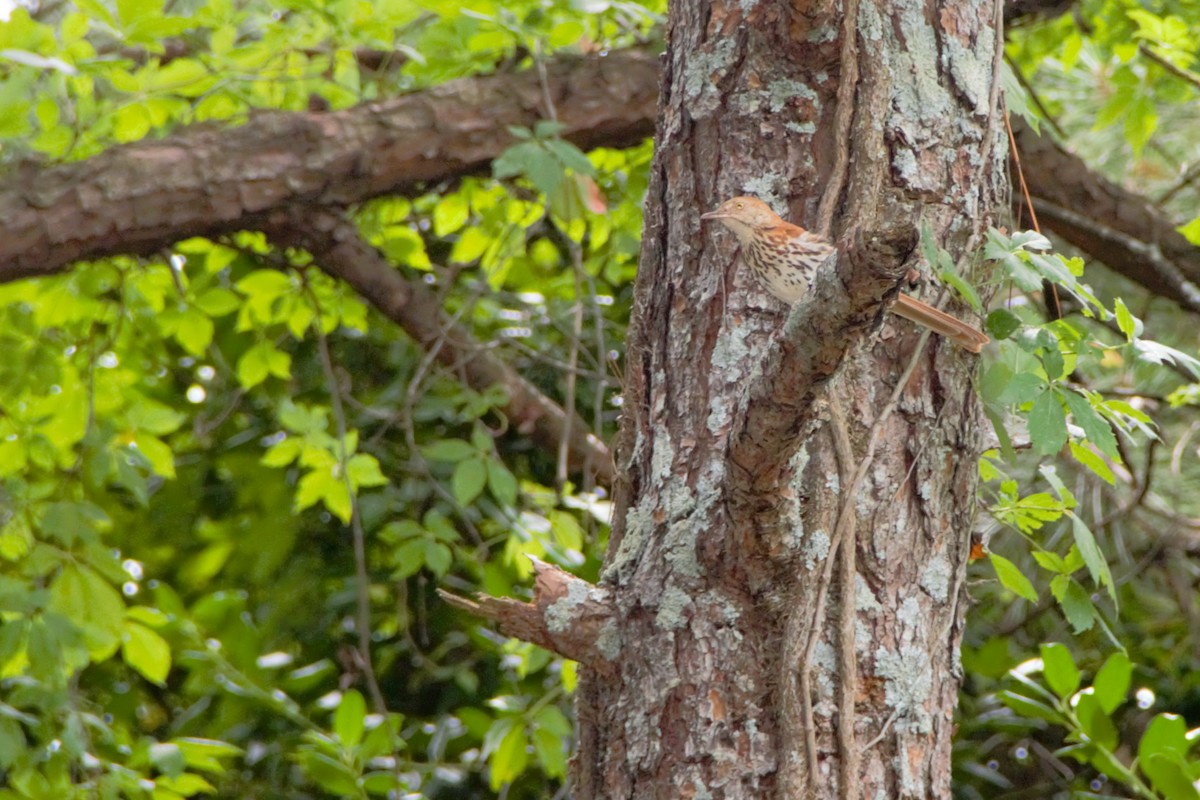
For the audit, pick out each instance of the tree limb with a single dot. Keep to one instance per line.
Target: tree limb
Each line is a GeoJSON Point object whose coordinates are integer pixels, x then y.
{"type": "Point", "coordinates": [568, 616]}
{"type": "Point", "coordinates": [204, 180]}
{"type": "Point", "coordinates": [139, 198]}
{"type": "Point", "coordinates": [1107, 222]}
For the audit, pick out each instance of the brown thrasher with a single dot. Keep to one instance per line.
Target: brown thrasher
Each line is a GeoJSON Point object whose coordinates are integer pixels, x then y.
{"type": "Point", "coordinates": [785, 257]}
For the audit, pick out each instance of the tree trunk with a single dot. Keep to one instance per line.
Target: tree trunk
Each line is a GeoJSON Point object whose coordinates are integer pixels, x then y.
{"type": "Point", "coordinates": [768, 454]}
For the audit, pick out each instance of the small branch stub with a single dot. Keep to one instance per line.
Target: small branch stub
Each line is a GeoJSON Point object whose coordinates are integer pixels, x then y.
{"type": "Point", "coordinates": [567, 616]}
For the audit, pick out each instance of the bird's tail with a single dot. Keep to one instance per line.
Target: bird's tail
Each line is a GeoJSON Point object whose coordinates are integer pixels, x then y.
{"type": "Point", "coordinates": [954, 329]}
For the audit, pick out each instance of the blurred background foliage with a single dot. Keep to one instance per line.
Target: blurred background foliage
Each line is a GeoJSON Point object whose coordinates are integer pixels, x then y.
{"type": "Point", "coordinates": [230, 489]}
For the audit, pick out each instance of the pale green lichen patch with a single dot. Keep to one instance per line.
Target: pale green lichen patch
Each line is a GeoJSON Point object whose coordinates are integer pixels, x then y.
{"type": "Point", "coordinates": [972, 68]}
{"type": "Point", "coordinates": [781, 91]}
{"type": "Point", "coordinates": [732, 350]}
{"type": "Point", "coordinates": [935, 578]}
{"type": "Point", "coordinates": [671, 605]}
{"type": "Point", "coordinates": [908, 683]}
{"type": "Point", "coordinates": [769, 187]}
{"type": "Point", "coordinates": [864, 598]}
{"type": "Point", "coordinates": [680, 548]}
{"type": "Point", "coordinates": [802, 128]}
{"type": "Point", "coordinates": [704, 68]}
{"type": "Point", "coordinates": [562, 613]}
{"type": "Point", "coordinates": [608, 640]}
{"type": "Point", "coordinates": [917, 92]}
{"type": "Point", "coordinates": [637, 531]}
{"type": "Point", "coordinates": [825, 660]}
{"type": "Point", "coordinates": [662, 459]}
{"type": "Point", "coordinates": [870, 23]}
{"type": "Point", "coordinates": [910, 613]}
{"type": "Point", "coordinates": [816, 548]}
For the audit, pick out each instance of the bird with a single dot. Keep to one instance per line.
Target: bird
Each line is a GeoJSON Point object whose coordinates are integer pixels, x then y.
{"type": "Point", "coordinates": [785, 258]}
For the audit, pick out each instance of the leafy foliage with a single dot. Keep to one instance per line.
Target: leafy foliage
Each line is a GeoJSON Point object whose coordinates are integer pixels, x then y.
{"type": "Point", "coordinates": [193, 444]}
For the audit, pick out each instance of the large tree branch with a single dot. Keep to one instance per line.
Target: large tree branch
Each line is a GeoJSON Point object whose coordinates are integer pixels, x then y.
{"type": "Point", "coordinates": [143, 197]}
{"type": "Point", "coordinates": [339, 251]}
{"type": "Point", "coordinates": [1123, 229]}
{"type": "Point", "coordinates": [204, 180]}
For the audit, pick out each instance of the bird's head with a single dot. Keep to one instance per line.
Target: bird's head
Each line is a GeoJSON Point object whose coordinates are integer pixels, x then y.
{"type": "Point", "coordinates": [744, 215]}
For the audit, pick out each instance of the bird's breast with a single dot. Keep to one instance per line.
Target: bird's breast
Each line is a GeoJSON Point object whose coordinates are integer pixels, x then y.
{"type": "Point", "coordinates": [780, 267]}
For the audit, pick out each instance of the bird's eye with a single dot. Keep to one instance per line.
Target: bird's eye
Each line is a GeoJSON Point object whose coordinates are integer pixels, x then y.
{"type": "Point", "coordinates": [740, 206]}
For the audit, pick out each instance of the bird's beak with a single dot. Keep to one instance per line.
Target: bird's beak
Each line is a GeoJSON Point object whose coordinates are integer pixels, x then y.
{"type": "Point", "coordinates": [714, 215]}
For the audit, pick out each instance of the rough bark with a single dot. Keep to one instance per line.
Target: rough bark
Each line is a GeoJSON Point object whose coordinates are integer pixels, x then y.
{"type": "Point", "coordinates": [738, 648]}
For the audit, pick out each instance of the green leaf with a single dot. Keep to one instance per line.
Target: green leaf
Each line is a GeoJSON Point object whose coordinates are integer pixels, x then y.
{"type": "Point", "coordinates": [548, 128]}
{"type": "Point", "coordinates": [260, 361]}
{"type": "Point", "coordinates": [1191, 231]}
{"type": "Point", "coordinates": [551, 752]}
{"type": "Point", "coordinates": [1159, 353]}
{"type": "Point", "coordinates": [363, 470]}
{"type": "Point", "coordinates": [452, 450]}
{"type": "Point", "coordinates": [1130, 325]}
{"type": "Point", "coordinates": [131, 122]}
{"type": "Point", "coordinates": [331, 774]}
{"type": "Point", "coordinates": [1170, 776]}
{"type": "Point", "coordinates": [1095, 427]}
{"type": "Point", "coordinates": [1074, 600]}
{"type": "Point", "coordinates": [1047, 424]}
{"type": "Point", "coordinates": [965, 290]}
{"type": "Point", "coordinates": [450, 214]}
{"type": "Point", "coordinates": [1028, 707]}
{"type": "Point", "coordinates": [470, 476]}
{"type": "Point", "coordinates": [553, 720]}
{"type": "Point", "coordinates": [322, 485]}
{"type": "Point", "coordinates": [283, 453]}
{"type": "Point", "coordinates": [502, 483]}
{"type": "Point", "coordinates": [1141, 120]}
{"type": "Point", "coordinates": [93, 605]}
{"type": "Point", "coordinates": [571, 156]}
{"type": "Point", "coordinates": [167, 758]}
{"type": "Point", "coordinates": [1084, 455]}
{"type": "Point", "coordinates": [1165, 733]}
{"type": "Point", "coordinates": [218, 301]}
{"type": "Point", "coordinates": [510, 758]}
{"type": "Point", "coordinates": [348, 720]}
{"type": "Point", "coordinates": [1002, 323]}
{"type": "Point", "coordinates": [1050, 561]}
{"type": "Point", "coordinates": [147, 652]}
{"type": "Point", "coordinates": [1095, 722]}
{"type": "Point", "coordinates": [1112, 682]}
{"type": "Point", "coordinates": [1059, 668]}
{"type": "Point", "coordinates": [12, 742]}
{"type": "Point", "coordinates": [1162, 751]}
{"type": "Point", "coordinates": [1096, 563]}
{"type": "Point", "coordinates": [1012, 579]}
{"type": "Point", "coordinates": [437, 557]}
{"type": "Point", "coordinates": [157, 452]}
{"type": "Point", "coordinates": [408, 558]}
